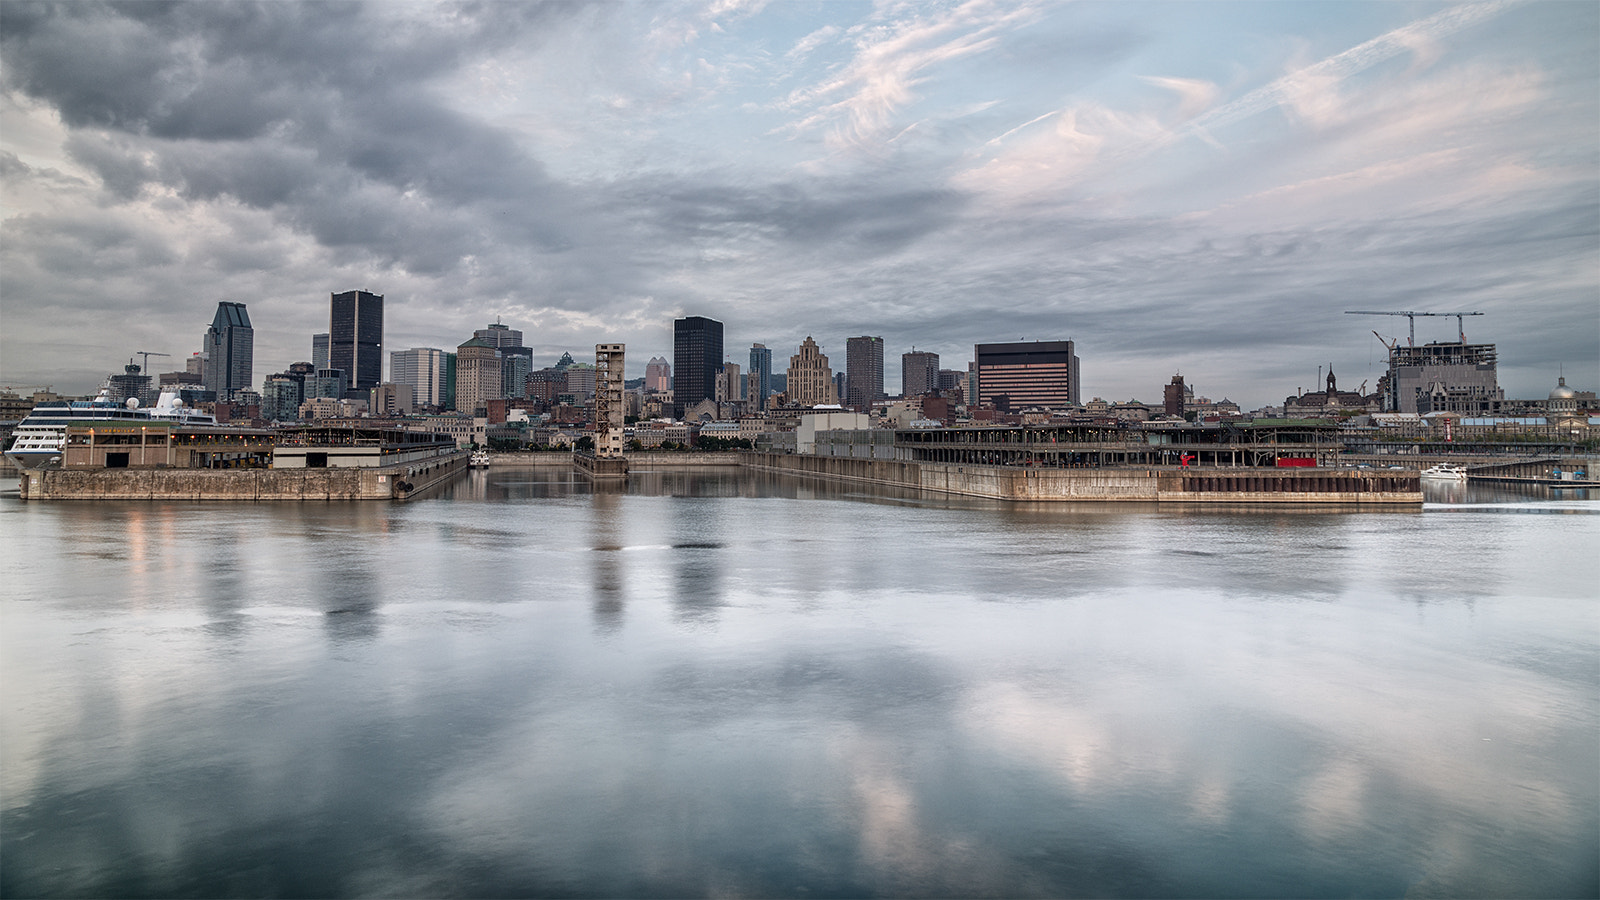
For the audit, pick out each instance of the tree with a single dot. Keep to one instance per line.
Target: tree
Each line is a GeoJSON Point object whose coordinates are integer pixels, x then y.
{"type": "Point", "coordinates": [585, 443]}
{"type": "Point", "coordinates": [635, 445]}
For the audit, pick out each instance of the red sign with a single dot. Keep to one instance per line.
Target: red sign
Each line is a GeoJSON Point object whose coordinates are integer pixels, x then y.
{"type": "Point", "coordinates": [1302, 461]}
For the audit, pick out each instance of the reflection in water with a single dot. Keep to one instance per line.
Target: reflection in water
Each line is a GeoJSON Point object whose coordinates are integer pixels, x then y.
{"type": "Point", "coordinates": [747, 684]}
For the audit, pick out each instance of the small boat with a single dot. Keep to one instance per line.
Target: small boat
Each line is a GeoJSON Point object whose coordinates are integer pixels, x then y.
{"type": "Point", "coordinates": [1445, 472]}
{"type": "Point", "coordinates": [480, 459]}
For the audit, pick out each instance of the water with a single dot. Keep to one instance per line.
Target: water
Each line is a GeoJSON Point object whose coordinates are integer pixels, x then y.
{"type": "Point", "coordinates": [734, 684]}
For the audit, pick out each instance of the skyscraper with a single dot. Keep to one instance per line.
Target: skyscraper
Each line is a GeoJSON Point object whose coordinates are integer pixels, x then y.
{"type": "Point", "coordinates": [919, 373]}
{"type": "Point", "coordinates": [696, 357]}
{"type": "Point", "coordinates": [424, 368]}
{"type": "Point", "coordinates": [355, 338]}
{"type": "Point", "coordinates": [1020, 375]}
{"type": "Point", "coordinates": [229, 351]}
{"type": "Point", "coordinates": [761, 369]}
{"type": "Point", "coordinates": [319, 351]}
{"type": "Point", "coordinates": [810, 379]}
{"type": "Point", "coordinates": [477, 375]}
{"type": "Point", "coordinates": [657, 375]}
{"type": "Point", "coordinates": [863, 367]}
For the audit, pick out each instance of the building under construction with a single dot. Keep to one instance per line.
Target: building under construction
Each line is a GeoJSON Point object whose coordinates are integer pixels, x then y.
{"type": "Point", "coordinates": [1449, 377]}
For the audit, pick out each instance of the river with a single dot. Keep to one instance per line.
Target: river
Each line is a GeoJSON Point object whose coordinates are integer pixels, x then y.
{"type": "Point", "coordinates": [729, 683]}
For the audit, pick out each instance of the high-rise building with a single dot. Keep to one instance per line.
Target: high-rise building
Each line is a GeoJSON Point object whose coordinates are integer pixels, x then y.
{"type": "Point", "coordinates": [281, 397]}
{"type": "Point", "coordinates": [515, 364]}
{"type": "Point", "coordinates": [319, 351]}
{"type": "Point", "coordinates": [696, 357]}
{"type": "Point", "coordinates": [499, 336]}
{"type": "Point", "coordinates": [657, 375]}
{"type": "Point", "coordinates": [423, 368]}
{"type": "Point", "coordinates": [229, 351]}
{"type": "Point", "coordinates": [477, 375]}
{"type": "Point", "coordinates": [761, 370]}
{"type": "Point", "coordinates": [810, 378]}
{"type": "Point", "coordinates": [919, 373]}
{"type": "Point", "coordinates": [863, 361]}
{"type": "Point", "coordinates": [1443, 377]}
{"type": "Point", "coordinates": [1173, 396]}
{"type": "Point", "coordinates": [355, 338]}
{"type": "Point", "coordinates": [1027, 374]}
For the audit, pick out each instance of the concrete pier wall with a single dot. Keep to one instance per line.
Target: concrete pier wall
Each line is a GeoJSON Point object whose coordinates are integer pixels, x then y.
{"type": "Point", "coordinates": [1141, 484]}
{"type": "Point", "coordinates": [387, 483]}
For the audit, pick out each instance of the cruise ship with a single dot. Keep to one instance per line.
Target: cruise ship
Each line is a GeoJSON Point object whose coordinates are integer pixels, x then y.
{"type": "Point", "coordinates": [41, 436]}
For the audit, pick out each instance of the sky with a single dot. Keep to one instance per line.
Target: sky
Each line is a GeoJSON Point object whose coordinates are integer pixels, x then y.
{"type": "Point", "coordinates": [1200, 188]}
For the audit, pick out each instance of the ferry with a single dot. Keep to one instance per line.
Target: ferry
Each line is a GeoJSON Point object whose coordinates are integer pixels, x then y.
{"type": "Point", "coordinates": [41, 436]}
{"type": "Point", "coordinates": [479, 460]}
{"type": "Point", "coordinates": [1445, 472]}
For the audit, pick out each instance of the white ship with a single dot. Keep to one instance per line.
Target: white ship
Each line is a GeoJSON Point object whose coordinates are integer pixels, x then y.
{"type": "Point", "coordinates": [41, 436]}
{"type": "Point", "coordinates": [1445, 472]}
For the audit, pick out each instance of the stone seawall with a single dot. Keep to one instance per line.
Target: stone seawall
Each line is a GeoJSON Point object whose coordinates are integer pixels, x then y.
{"type": "Point", "coordinates": [638, 460]}
{"type": "Point", "coordinates": [387, 483]}
{"type": "Point", "coordinates": [1149, 484]}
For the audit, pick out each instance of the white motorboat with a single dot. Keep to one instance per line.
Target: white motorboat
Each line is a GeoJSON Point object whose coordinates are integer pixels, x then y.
{"type": "Point", "coordinates": [479, 460]}
{"type": "Point", "coordinates": [1445, 472]}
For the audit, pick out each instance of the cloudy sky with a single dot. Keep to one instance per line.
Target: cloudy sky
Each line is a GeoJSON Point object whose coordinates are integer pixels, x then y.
{"type": "Point", "coordinates": [1197, 187]}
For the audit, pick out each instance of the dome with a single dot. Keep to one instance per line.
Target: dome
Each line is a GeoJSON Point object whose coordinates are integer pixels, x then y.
{"type": "Point", "coordinates": [1562, 392]}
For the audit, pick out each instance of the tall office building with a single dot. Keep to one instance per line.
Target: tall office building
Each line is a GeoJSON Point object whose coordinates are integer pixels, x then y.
{"type": "Point", "coordinates": [424, 369]}
{"type": "Point", "coordinates": [229, 351]}
{"type": "Point", "coordinates": [696, 357]}
{"type": "Point", "coordinates": [499, 336]}
{"type": "Point", "coordinates": [863, 367]}
{"type": "Point", "coordinates": [477, 375]}
{"type": "Point", "coordinates": [919, 373]}
{"type": "Point", "coordinates": [355, 338]}
{"type": "Point", "coordinates": [810, 378]}
{"type": "Point", "coordinates": [319, 351]}
{"type": "Point", "coordinates": [761, 371]}
{"type": "Point", "coordinates": [657, 375]}
{"type": "Point", "coordinates": [1027, 374]}
{"type": "Point", "coordinates": [515, 365]}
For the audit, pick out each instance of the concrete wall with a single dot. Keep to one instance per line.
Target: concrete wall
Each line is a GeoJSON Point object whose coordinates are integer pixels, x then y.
{"type": "Point", "coordinates": [638, 460]}
{"type": "Point", "coordinates": [1145, 484]}
{"type": "Point", "coordinates": [240, 484]}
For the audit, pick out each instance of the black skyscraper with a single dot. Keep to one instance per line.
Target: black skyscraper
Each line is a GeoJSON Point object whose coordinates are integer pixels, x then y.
{"type": "Point", "coordinates": [230, 351]}
{"type": "Point", "coordinates": [355, 338]}
{"type": "Point", "coordinates": [697, 354]}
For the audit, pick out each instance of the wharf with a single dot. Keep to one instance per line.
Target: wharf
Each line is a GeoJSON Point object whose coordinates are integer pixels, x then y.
{"type": "Point", "coordinates": [400, 481]}
{"type": "Point", "coordinates": [1207, 485]}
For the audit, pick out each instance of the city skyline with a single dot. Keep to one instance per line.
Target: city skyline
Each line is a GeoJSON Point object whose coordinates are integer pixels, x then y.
{"type": "Point", "coordinates": [1176, 188]}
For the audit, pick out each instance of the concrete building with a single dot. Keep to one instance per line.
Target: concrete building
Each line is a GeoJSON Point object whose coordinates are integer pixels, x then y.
{"type": "Point", "coordinates": [355, 337]}
{"type": "Point", "coordinates": [477, 375]}
{"type": "Point", "coordinates": [1175, 396]}
{"type": "Point", "coordinates": [425, 370]}
{"type": "Point", "coordinates": [919, 373]}
{"type": "Point", "coordinates": [696, 357]}
{"type": "Point", "coordinates": [1028, 374]}
{"type": "Point", "coordinates": [1448, 377]}
{"type": "Point", "coordinates": [391, 399]}
{"type": "Point", "coordinates": [229, 351]}
{"type": "Point", "coordinates": [863, 360]}
{"type": "Point", "coordinates": [610, 368]}
{"type": "Point", "coordinates": [761, 371]}
{"type": "Point", "coordinates": [810, 379]}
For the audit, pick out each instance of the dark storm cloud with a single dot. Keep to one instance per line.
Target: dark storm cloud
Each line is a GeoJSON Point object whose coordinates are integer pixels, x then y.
{"type": "Point", "coordinates": [320, 112]}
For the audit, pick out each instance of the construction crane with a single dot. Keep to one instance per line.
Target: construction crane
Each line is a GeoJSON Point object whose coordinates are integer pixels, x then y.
{"type": "Point", "coordinates": [147, 354]}
{"type": "Point", "coordinates": [1388, 344]}
{"type": "Point", "coordinates": [1411, 317]}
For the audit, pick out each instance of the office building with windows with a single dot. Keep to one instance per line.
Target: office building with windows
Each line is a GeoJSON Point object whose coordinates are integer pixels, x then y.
{"type": "Point", "coordinates": [229, 351]}
{"type": "Point", "coordinates": [810, 378]}
{"type": "Point", "coordinates": [761, 375]}
{"type": "Point", "coordinates": [696, 357]}
{"type": "Point", "coordinates": [355, 338]}
{"type": "Point", "coordinates": [863, 368]}
{"type": "Point", "coordinates": [425, 369]}
{"type": "Point", "coordinates": [1024, 375]}
{"type": "Point", "coordinates": [919, 373]}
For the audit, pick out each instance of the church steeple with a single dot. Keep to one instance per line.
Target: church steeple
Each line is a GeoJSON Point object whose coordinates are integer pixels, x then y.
{"type": "Point", "coordinates": [1333, 387]}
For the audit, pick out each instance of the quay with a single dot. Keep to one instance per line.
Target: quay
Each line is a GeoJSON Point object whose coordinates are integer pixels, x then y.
{"type": "Point", "coordinates": [1165, 484]}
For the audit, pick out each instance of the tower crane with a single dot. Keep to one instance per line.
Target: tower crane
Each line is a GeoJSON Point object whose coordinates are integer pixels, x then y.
{"type": "Point", "coordinates": [147, 354]}
{"type": "Point", "coordinates": [1411, 318]}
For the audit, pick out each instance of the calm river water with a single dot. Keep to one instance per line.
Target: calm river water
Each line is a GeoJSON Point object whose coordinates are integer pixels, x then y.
{"type": "Point", "coordinates": [746, 685]}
